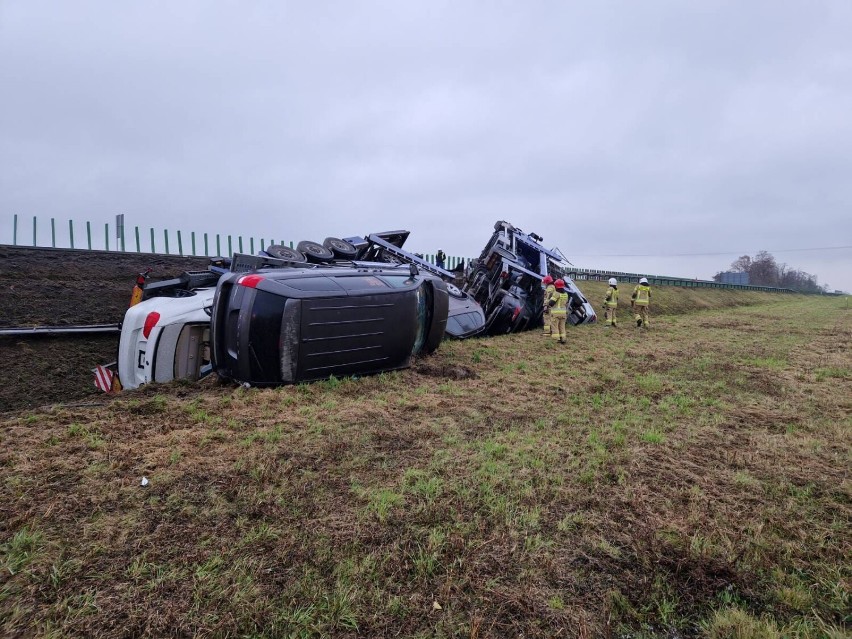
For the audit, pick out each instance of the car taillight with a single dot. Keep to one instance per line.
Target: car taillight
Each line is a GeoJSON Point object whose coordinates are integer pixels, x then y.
{"type": "Point", "coordinates": [250, 280]}
{"type": "Point", "coordinates": [504, 274]}
{"type": "Point", "coordinates": [516, 312]}
{"type": "Point", "coordinates": [150, 323]}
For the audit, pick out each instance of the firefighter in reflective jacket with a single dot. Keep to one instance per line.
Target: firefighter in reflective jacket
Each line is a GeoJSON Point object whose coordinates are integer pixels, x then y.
{"type": "Point", "coordinates": [640, 301]}
{"type": "Point", "coordinates": [548, 291]}
{"type": "Point", "coordinates": [611, 303]}
{"type": "Point", "coordinates": [558, 303]}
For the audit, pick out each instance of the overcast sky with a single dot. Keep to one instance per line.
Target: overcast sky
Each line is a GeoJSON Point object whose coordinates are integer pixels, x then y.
{"type": "Point", "coordinates": [610, 128]}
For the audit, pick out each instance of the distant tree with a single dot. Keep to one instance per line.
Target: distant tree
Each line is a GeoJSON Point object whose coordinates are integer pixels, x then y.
{"type": "Point", "coordinates": [741, 264]}
{"type": "Point", "coordinates": [763, 270]}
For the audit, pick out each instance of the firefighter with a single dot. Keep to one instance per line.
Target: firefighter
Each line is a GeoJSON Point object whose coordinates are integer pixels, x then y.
{"type": "Point", "coordinates": [558, 304]}
{"type": "Point", "coordinates": [548, 291]}
{"type": "Point", "coordinates": [640, 302]}
{"type": "Point", "coordinates": [611, 303]}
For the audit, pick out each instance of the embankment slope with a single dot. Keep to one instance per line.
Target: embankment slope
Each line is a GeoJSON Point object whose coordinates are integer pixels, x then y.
{"type": "Point", "coordinates": [680, 481]}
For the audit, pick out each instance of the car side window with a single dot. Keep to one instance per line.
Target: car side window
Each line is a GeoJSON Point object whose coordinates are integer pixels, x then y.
{"type": "Point", "coordinates": [463, 322]}
{"type": "Point", "coordinates": [398, 281]}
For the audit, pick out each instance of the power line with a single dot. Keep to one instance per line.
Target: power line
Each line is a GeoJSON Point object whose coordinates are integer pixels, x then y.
{"type": "Point", "coordinates": [792, 250]}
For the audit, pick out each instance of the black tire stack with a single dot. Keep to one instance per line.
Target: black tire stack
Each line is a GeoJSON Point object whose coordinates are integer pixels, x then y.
{"type": "Point", "coordinates": [331, 249]}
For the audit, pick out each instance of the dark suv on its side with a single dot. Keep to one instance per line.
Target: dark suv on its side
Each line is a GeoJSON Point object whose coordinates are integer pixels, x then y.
{"type": "Point", "coordinates": [287, 325]}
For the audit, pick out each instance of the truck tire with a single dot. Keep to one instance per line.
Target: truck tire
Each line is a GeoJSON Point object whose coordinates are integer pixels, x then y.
{"type": "Point", "coordinates": [341, 248]}
{"type": "Point", "coordinates": [282, 252]}
{"type": "Point", "coordinates": [316, 253]}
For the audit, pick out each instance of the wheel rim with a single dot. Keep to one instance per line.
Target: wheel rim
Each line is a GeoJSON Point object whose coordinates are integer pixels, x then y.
{"type": "Point", "coordinates": [315, 252]}
{"type": "Point", "coordinates": [453, 290]}
{"type": "Point", "coordinates": [340, 248]}
{"type": "Point", "coordinates": [285, 253]}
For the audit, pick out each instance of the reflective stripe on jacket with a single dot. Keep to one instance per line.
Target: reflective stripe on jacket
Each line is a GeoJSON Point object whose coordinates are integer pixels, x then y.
{"type": "Point", "coordinates": [611, 298]}
{"type": "Point", "coordinates": [559, 303]}
{"type": "Point", "coordinates": [550, 290]}
{"type": "Point", "coordinates": [641, 295]}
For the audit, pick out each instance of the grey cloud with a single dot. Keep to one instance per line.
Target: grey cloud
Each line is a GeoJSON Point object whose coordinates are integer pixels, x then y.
{"type": "Point", "coordinates": [607, 127]}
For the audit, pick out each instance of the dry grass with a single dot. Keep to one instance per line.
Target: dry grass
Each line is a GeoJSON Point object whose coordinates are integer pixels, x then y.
{"type": "Point", "coordinates": [688, 480]}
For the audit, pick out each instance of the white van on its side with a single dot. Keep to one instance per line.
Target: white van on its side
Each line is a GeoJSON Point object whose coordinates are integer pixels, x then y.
{"type": "Point", "coordinates": [166, 338]}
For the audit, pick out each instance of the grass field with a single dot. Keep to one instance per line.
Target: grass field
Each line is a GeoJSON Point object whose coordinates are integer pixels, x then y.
{"type": "Point", "coordinates": [688, 480]}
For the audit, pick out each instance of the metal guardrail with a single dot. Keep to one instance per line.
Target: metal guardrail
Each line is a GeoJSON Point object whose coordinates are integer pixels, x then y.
{"type": "Point", "coordinates": [665, 280]}
{"type": "Point", "coordinates": [60, 330]}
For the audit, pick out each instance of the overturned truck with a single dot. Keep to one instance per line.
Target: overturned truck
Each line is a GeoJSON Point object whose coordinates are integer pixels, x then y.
{"type": "Point", "coordinates": [506, 282]}
{"type": "Point", "coordinates": [346, 306]}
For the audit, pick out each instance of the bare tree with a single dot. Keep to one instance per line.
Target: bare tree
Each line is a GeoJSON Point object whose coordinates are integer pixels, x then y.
{"type": "Point", "coordinates": [763, 270]}
{"type": "Point", "coordinates": [741, 264]}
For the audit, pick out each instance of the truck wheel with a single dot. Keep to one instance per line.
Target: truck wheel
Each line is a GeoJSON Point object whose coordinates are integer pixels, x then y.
{"type": "Point", "coordinates": [282, 252]}
{"type": "Point", "coordinates": [315, 252]}
{"type": "Point", "coordinates": [341, 248]}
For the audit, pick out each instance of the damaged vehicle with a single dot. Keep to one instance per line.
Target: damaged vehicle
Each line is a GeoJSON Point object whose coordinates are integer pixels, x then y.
{"type": "Point", "coordinates": [506, 282]}
{"type": "Point", "coordinates": [465, 316]}
{"type": "Point", "coordinates": [277, 316]}
{"type": "Point", "coordinates": [168, 334]}
{"type": "Point", "coordinates": [282, 326]}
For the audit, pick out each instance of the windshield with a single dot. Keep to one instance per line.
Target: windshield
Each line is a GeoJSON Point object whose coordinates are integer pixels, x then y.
{"type": "Point", "coordinates": [463, 323]}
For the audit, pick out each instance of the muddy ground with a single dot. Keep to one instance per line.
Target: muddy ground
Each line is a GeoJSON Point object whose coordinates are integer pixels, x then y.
{"type": "Point", "coordinates": [56, 287]}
